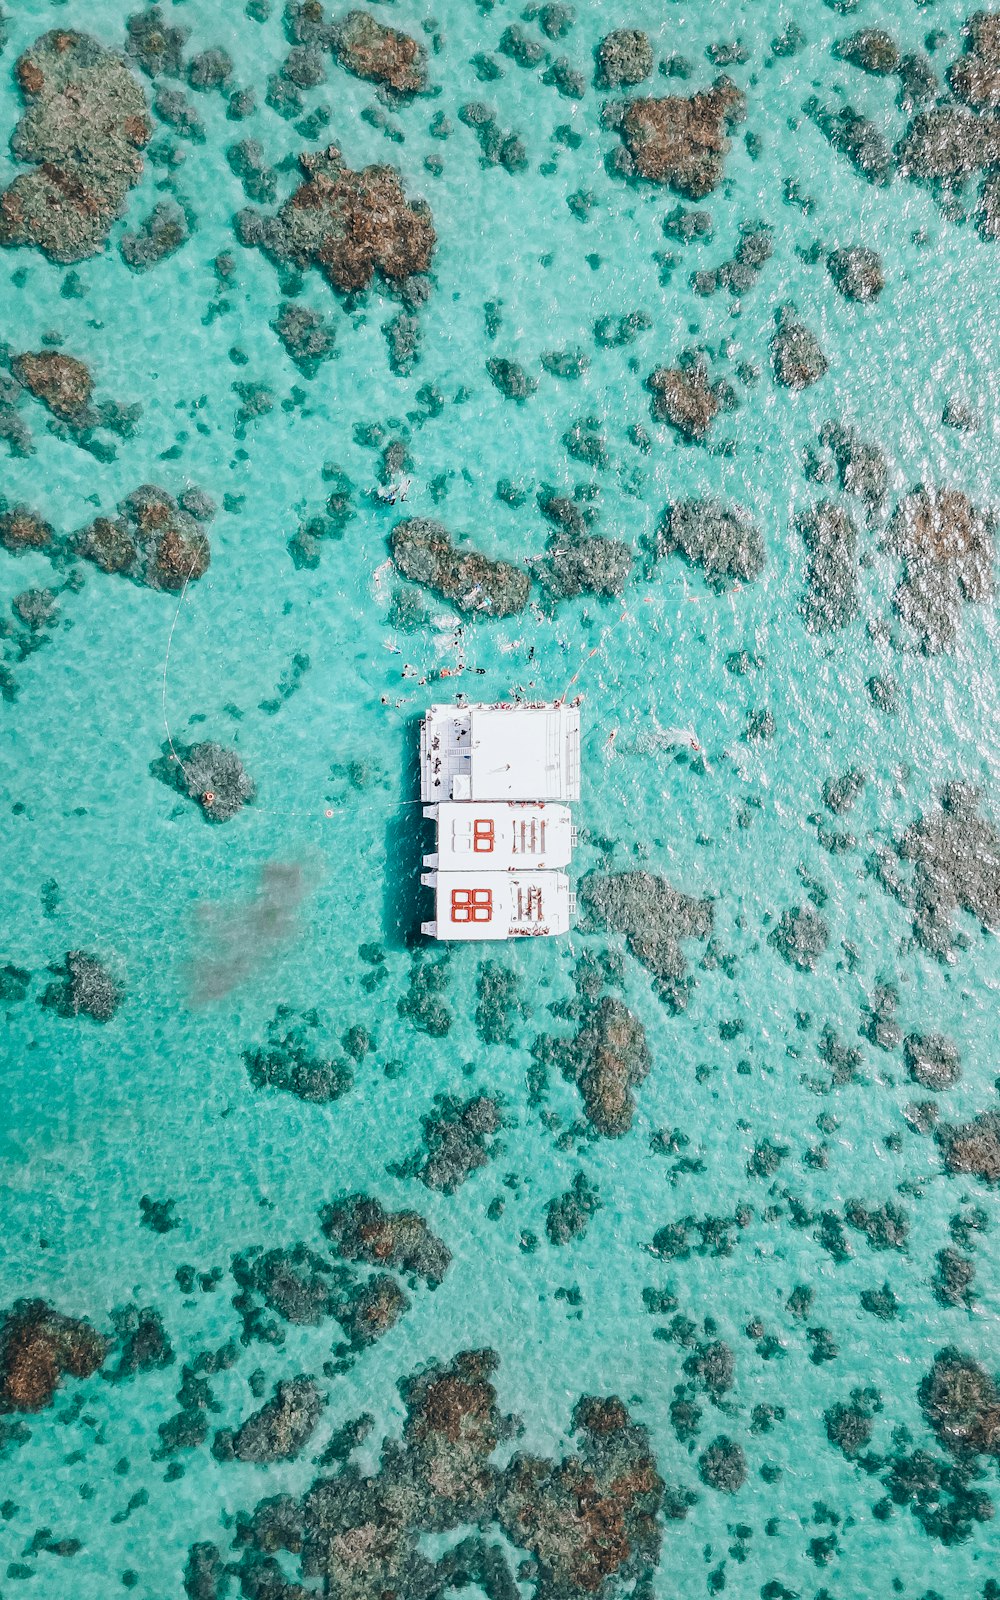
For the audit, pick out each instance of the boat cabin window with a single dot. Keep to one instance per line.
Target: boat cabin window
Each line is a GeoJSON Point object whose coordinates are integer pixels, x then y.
{"type": "Point", "coordinates": [471, 905]}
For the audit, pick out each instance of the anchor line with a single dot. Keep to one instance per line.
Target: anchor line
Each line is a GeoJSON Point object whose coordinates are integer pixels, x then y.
{"type": "Point", "coordinates": [166, 664]}
{"type": "Point", "coordinates": [591, 653]}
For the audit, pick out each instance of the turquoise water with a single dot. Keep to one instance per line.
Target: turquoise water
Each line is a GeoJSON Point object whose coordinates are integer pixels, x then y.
{"type": "Point", "coordinates": [157, 1101]}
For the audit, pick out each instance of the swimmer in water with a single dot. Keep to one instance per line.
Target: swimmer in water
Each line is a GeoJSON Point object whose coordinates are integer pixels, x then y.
{"type": "Point", "coordinates": [668, 736]}
{"type": "Point", "coordinates": [389, 493]}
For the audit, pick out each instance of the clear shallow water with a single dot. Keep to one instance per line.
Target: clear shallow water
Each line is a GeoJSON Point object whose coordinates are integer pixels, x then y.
{"type": "Point", "coordinates": [157, 1102]}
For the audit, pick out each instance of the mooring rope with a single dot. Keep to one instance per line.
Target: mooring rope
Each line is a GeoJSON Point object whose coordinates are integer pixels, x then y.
{"type": "Point", "coordinates": [591, 653]}
{"type": "Point", "coordinates": [166, 664]}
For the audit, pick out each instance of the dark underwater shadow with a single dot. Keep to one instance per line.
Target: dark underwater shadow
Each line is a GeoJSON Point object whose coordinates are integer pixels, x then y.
{"type": "Point", "coordinates": [238, 940]}
{"type": "Point", "coordinates": [408, 837]}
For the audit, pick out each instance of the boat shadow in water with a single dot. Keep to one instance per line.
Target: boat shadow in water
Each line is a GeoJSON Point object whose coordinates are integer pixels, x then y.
{"type": "Point", "coordinates": [237, 940]}
{"type": "Point", "coordinates": [408, 838]}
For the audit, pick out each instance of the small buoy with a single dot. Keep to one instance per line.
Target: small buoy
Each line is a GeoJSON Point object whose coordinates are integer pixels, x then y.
{"type": "Point", "coordinates": [328, 812]}
{"type": "Point", "coordinates": [208, 797]}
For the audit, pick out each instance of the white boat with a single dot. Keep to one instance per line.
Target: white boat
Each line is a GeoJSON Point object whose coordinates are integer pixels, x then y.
{"type": "Point", "coordinates": [497, 778]}
{"type": "Point", "coordinates": [501, 836]}
{"type": "Point", "coordinates": [498, 905]}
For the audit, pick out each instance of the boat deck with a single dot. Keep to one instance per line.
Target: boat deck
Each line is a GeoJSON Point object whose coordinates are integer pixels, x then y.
{"type": "Point", "coordinates": [446, 755]}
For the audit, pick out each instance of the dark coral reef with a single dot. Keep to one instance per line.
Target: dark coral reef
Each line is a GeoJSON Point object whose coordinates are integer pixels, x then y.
{"type": "Point", "coordinates": [460, 1137]}
{"type": "Point", "coordinates": [294, 1058]}
{"type": "Point", "coordinates": [474, 584]}
{"type": "Point", "coordinates": [39, 1347]}
{"type": "Point", "coordinates": [955, 854]}
{"type": "Point", "coordinates": [654, 917]}
{"type": "Point", "coordinates": [975, 76]}
{"type": "Point", "coordinates": [279, 1430]}
{"type": "Point", "coordinates": [83, 131]}
{"type": "Point", "coordinates": [350, 225]}
{"type": "Point", "coordinates": [589, 1521]}
{"type": "Point", "coordinates": [801, 936]}
{"type": "Point", "coordinates": [724, 540]}
{"type": "Point", "coordinates": [624, 58]}
{"type": "Point", "coordinates": [154, 540]}
{"type": "Point", "coordinates": [210, 774]}
{"type": "Point", "coordinates": [567, 1215]}
{"type": "Point", "coordinates": [831, 539]}
{"type": "Point", "coordinates": [360, 1229]}
{"type": "Point", "coordinates": [607, 1059]}
{"type": "Point", "coordinates": [962, 1404]}
{"type": "Point", "coordinates": [947, 548]}
{"type": "Point", "coordinates": [682, 142]}
{"type": "Point", "coordinates": [294, 1285]}
{"type": "Point", "coordinates": [84, 987]}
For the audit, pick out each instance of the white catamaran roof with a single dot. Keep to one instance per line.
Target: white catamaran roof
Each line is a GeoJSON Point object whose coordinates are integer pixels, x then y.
{"type": "Point", "coordinates": [501, 836]}
{"type": "Point", "coordinates": [501, 752]}
{"type": "Point", "coordinates": [498, 905]}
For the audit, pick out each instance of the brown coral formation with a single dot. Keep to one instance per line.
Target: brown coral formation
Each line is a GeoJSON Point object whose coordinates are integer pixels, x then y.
{"type": "Point", "coordinates": [654, 917]}
{"type": "Point", "coordinates": [685, 397]}
{"type": "Point", "coordinates": [873, 50]}
{"type": "Point", "coordinates": [59, 381]}
{"type": "Point", "coordinates": [592, 1517]}
{"type": "Point", "coordinates": [606, 1060]}
{"type": "Point", "coordinates": [64, 385]}
{"type": "Point", "coordinates": [797, 358]}
{"type": "Point", "coordinates": [370, 50]}
{"type": "Point", "coordinates": [361, 1229]}
{"type": "Point", "coordinates": [939, 525]}
{"type": "Point", "coordinates": [21, 530]}
{"type": "Point", "coordinates": [351, 225]}
{"type": "Point", "coordinates": [423, 551]}
{"type": "Point", "coordinates": [153, 540]}
{"type": "Point", "coordinates": [83, 129]}
{"type": "Point", "coordinates": [975, 77]}
{"type": "Point", "coordinates": [588, 1520]}
{"type": "Point", "coordinates": [682, 142]}
{"type": "Point", "coordinates": [974, 1148]}
{"type": "Point", "coordinates": [946, 544]}
{"type": "Point", "coordinates": [38, 1347]}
